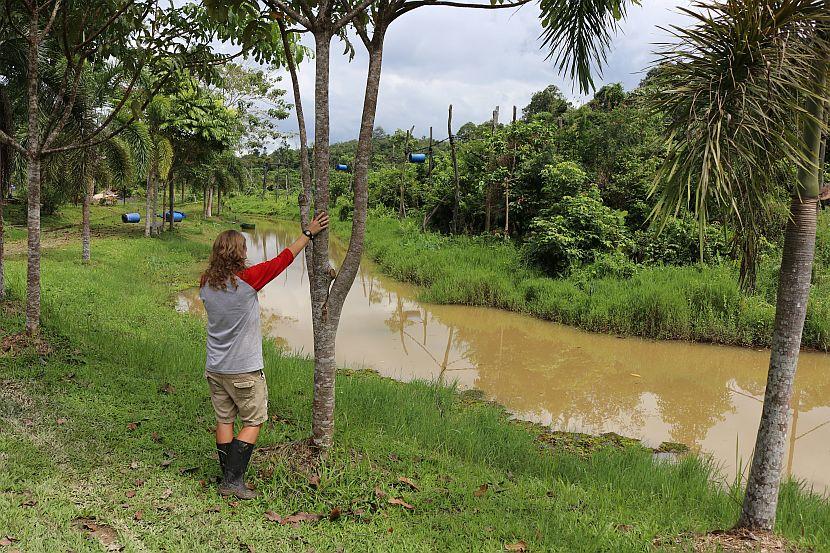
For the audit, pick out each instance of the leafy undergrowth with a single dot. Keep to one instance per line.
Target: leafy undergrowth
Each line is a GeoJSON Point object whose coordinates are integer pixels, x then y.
{"type": "Point", "coordinates": [105, 442]}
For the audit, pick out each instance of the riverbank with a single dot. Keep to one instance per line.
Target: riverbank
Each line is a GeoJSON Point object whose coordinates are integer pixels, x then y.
{"type": "Point", "coordinates": [701, 303]}
{"type": "Point", "coordinates": [106, 435]}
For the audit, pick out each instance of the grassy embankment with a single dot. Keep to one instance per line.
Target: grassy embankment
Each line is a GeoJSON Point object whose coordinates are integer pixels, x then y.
{"type": "Point", "coordinates": [114, 424]}
{"type": "Point", "coordinates": [700, 303]}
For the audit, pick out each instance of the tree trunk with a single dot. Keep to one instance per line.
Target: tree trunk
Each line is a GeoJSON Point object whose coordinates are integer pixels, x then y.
{"type": "Point", "coordinates": [163, 206]}
{"type": "Point", "coordinates": [148, 204]}
{"type": "Point", "coordinates": [324, 322]}
{"type": "Point", "coordinates": [218, 201]}
{"type": "Point", "coordinates": [455, 173]}
{"type": "Point", "coordinates": [5, 173]}
{"type": "Point", "coordinates": [305, 168]}
{"type": "Point", "coordinates": [33, 159]}
{"type": "Point", "coordinates": [761, 499]}
{"type": "Point", "coordinates": [172, 201]}
{"type": "Point", "coordinates": [209, 201]}
{"type": "Point", "coordinates": [89, 190]}
{"type": "Point", "coordinates": [402, 208]}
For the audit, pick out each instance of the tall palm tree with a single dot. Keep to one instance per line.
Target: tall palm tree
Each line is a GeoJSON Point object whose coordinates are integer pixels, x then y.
{"type": "Point", "coordinates": [743, 92]}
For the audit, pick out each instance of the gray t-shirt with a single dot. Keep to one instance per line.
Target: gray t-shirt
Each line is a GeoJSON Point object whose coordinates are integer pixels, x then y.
{"type": "Point", "coordinates": [234, 335]}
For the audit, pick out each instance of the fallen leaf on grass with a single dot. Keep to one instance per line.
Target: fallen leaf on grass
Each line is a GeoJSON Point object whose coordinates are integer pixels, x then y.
{"type": "Point", "coordinates": [203, 483]}
{"type": "Point", "coordinates": [314, 481]}
{"type": "Point", "coordinates": [624, 528]}
{"type": "Point", "coordinates": [61, 421]}
{"type": "Point", "coordinates": [132, 426]}
{"type": "Point", "coordinates": [481, 491]}
{"type": "Point", "coordinates": [166, 463]}
{"type": "Point", "coordinates": [138, 515]}
{"type": "Point", "coordinates": [393, 457]}
{"type": "Point", "coordinates": [518, 546]}
{"type": "Point", "coordinates": [234, 504]}
{"type": "Point", "coordinates": [167, 389]}
{"type": "Point", "coordinates": [294, 520]}
{"type": "Point", "coordinates": [29, 503]}
{"type": "Point", "coordinates": [273, 517]}
{"type": "Point", "coordinates": [214, 509]}
{"type": "Point", "coordinates": [28, 422]}
{"type": "Point", "coordinates": [5, 541]}
{"type": "Point", "coordinates": [334, 514]}
{"type": "Point", "coordinates": [138, 482]}
{"type": "Point", "coordinates": [170, 454]}
{"type": "Point", "coordinates": [155, 437]}
{"type": "Point", "coordinates": [187, 470]}
{"type": "Point", "coordinates": [401, 502]}
{"type": "Point", "coordinates": [408, 482]}
{"type": "Point", "coordinates": [134, 465]}
{"type": "Point", "coordinates": [167, 493]}
{"type": "Point", "coordinates": [130, 493]}
{"type": "Point", "coordinates": [379, 493]}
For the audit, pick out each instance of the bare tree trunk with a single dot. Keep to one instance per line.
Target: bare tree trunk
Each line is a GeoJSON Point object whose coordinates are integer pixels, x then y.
{"type": "Point", "coordinates": [402, 208]}
{"type": "Point", "coordinates": [761, 499]}
{"type": "Point", "coordinates": [507, 181]}
{"type": "Point", "coordinates": [172, 201]}
{"type": "Point", "coordinates": [163, 206]}
{"type": "Point", "coordinates": [324, 319]}
{"type": "Point", "coordinates": [5, 173]}
{"type": "Point", "coordinates": [324, 384]}
{"type": "Point", "coordinates": [33, 159]}
{"type": "Point", "coordinates": [148, 204]}
{"type": "Point", "coordinates": [455, 173]}
{"type": "Point", "coordinates": [89, 190]}
{"type": "Point", "coordinates": [209, 201]}
{"type": "Point", "coordinates": [305, 168]}
{"type": "Point", "coordinates": [218, 201]}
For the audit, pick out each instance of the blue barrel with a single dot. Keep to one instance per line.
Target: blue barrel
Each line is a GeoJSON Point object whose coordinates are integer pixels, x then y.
{"type": "Point", "coordinates": [177, 216]}
{"type": "Point", "coordinates": [131, 218]}
{"type": "Point", "coordinates": [417, 158]}
{"type": "Point", "coordinates": [183, 214]}
{"type": "Point", "coordinates": [342, 167]}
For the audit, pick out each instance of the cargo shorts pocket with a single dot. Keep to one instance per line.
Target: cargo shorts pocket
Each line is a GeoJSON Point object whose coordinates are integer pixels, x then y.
{"type": "Point", "coordinates": [245, 389]}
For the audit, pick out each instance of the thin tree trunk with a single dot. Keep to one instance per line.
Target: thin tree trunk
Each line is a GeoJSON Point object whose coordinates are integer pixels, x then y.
{"type": "Point", "coordinates": [163, 206]}
{"type": "Point", "coordinates": [172, 201]}
{"type": "Point", "coordinates": [33, 160]}
{"type": "Point", "coordinates": [148, 204]}
{"type": "Point", "coordinates": [455, 173]}
{"type": "Point", "coordinates": [305, 168]}
{"type": "Point", "coordinates": [761, 499]}
{"type": "Point", "coordinates": [402, 208]}
{"type": "Point", "coordinates": [209, 201]}
{"type": "Point", "coordinates": [324, 383]}
{"type": "Point", "coordinates": [89, 190]}
{"type": "Point", "coordinates": [324, 322]}
{"type": "Point", "coordinates": [5, 173]}
{"type": "Point", "coordinates": [218, 201]}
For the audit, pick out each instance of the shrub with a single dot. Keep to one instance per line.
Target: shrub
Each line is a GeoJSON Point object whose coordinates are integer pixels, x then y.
{"type": "Point", "coordinates": [678, 243]}
{"type": "Point", "coordinates": [577, 230]}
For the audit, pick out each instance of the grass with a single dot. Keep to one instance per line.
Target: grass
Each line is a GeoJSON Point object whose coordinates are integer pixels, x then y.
{"type": "Point", "coordinates": [698, 303]}
{"type": "Point", "coordinates": [87, 429]}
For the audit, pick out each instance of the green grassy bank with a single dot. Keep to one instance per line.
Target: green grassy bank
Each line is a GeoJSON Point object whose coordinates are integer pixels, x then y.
{"type": "Point", "coordinates": [107, 426]}
{"type": "Point", "coordinates": [699, 303]}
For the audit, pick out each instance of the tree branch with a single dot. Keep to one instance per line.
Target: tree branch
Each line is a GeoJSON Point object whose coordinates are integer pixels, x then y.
{"type": "Point", "coordinates": [409, 6]}
{"type": "Point", "coordinates": [52, 16]}
{"type": "Point", "coordinates": [6, 139]}
{"type": "Point", "coordinates": [104, 27]}
{"type": "Point", "coordinates": [353, 12]}
{"type": "Point", "coordinates": [290, 12]}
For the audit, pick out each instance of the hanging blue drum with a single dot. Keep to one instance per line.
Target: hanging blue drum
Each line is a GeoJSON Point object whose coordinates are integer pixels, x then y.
{"type": "Point", "coordinates": [342, 167]}
{"type": "Point", "coordinates": [130, 218]}
{"type": "Point", "coordinates": [417, 158]}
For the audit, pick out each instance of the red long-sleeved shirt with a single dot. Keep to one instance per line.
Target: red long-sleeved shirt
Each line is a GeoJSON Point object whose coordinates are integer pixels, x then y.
{"type": "Point", "coordinates": [257, 276]}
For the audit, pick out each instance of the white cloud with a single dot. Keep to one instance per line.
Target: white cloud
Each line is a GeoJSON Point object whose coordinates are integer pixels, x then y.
{"type": "Point", "coordinates": [474, 59]}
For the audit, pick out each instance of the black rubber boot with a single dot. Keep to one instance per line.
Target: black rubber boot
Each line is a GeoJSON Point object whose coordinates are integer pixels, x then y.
{"type": "Point", "coordinates": [223, 450]}
{"type": "Point", "coordinates": [235, 468]}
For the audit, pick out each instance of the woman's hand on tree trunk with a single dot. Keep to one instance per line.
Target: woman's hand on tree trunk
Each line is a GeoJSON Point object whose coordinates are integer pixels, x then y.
{"type": "Point", "coordinates": [319, 223]}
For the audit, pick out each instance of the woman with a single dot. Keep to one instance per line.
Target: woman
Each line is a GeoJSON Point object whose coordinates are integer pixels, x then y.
{"type": "Point", "coordinates": [234, 346]}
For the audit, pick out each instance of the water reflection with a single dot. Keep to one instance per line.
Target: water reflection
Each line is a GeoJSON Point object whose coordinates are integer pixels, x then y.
{"type": "Point", "coordinates": [705, 396]}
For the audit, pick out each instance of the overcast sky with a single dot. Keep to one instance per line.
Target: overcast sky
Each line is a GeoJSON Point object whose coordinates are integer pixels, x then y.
{"type": "Point", "coordinates": [473, 59]}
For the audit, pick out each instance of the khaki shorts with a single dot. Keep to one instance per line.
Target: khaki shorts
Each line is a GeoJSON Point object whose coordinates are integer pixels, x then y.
{"type": "Point", "coordinates": [244, 394]}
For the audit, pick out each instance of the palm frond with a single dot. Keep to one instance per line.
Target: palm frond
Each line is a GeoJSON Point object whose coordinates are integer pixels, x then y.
{"type": "Point", "coordinates": [733, 92]}
{"type": "Point", "coordinates": [578, 34]}
{"type": "Point", "coordinates": [163, 152]}
{"type": "Point", "coordinates": [119, 161]}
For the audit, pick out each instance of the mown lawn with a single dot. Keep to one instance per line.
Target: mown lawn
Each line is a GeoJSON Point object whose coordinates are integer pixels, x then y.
{"type": "Point", "coordinates": [111, 424]}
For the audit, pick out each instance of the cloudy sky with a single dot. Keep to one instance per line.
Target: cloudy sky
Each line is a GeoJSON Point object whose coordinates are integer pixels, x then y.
{"type": "Point", "coordinates": [473, 59]}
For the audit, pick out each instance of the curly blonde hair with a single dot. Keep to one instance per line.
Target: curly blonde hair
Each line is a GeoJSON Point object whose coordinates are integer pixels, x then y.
{"type": "Point", "coordinates": [227, 258]}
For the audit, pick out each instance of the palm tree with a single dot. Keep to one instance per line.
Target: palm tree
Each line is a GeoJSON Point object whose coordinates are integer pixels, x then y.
{"type": "Point", "coordinates": [743, 92]}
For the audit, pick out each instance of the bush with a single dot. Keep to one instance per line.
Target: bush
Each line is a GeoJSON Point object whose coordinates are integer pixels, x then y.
{"type": "Point", "coordinates": [678, 243]}
{"type": "Point", "coordinates": [577, 230]}
{"type": "Point", "coordinates": [564, 179]}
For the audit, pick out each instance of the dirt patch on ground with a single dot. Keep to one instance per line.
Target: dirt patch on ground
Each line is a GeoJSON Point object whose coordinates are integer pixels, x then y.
{"type": "Point", "coordinates": [103, 533]}
{"type": "Point", "coordinates": [731, 540]}
{"type": "Point", "coordinates": [14, 343]}
{"type": "Point", "coordinates": [300, 457]}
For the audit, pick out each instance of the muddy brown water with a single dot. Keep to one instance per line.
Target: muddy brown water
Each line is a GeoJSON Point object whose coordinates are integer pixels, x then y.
{"type": "Point", "coordinates": [708, 397]}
